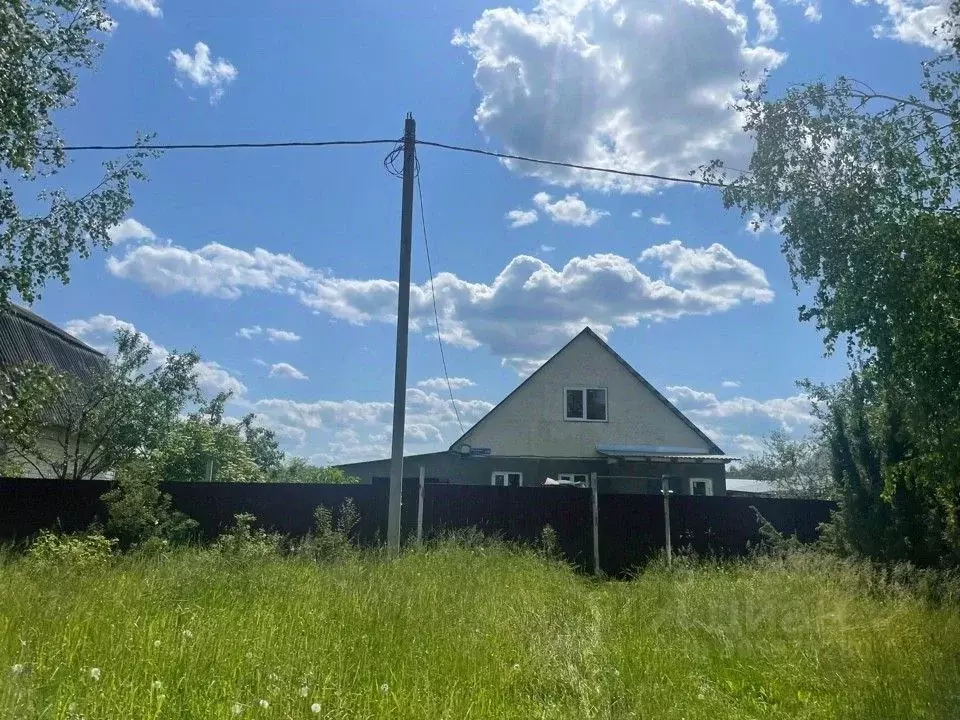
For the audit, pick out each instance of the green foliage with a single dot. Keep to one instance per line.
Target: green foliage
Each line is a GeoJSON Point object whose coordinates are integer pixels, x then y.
{"type": "Point", "coordinates": [243, 541]}
{"type": "Point", "coordinates": [866, 186]}
{"type": "Point", "coordinates": [469, 632]}
{"type": "Point", "coordinates": [26, 393]}
{"type": "Point", "coordinates": [52, 552]}
{"type": "Point", "coordinates": [298, 470]}
{"type": "Point", "coordinates": [45, 44]}
{"type": "Point", "coordinates": [139, 514]}
{"type": "Point", "coordinates": [549, 544]}
{"type": "Point", "coordinates": [331, 541]}
{"type": "Point", "coordinates": [795, 468]}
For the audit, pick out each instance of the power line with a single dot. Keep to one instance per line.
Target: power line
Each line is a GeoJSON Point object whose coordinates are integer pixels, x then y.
{"type": "Point", "coordinates": [428, 143]}
{"type": "Point", "coordinates": [436, 314]}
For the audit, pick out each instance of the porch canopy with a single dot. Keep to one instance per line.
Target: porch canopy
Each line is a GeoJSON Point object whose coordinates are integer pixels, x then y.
{"type": "Point", "coordinates": [663, 453]}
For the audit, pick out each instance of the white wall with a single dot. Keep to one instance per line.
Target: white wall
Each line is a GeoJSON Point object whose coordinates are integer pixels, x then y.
{"type": "Point", "coordinates": [50, 447]}
{"type": "Point", "coordinates": [532, 424]}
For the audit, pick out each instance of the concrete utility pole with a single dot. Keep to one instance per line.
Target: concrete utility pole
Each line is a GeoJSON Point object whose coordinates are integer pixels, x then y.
{"type": "Point", "coordinates": [665, 489]}
{"type": "Point", "coordinates": [403, 323]}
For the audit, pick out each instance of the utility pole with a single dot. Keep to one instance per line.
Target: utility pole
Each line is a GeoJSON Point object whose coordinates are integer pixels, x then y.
{"type": "Point", "coordinates": [665, 489]}
{"type": "Point", "coordinates": [403, 327]}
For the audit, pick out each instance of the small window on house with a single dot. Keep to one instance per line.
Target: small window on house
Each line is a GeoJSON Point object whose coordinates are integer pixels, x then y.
{"type": "Point", "coordinates": [575, 478]}
{"type": "Point", "coordinates": [586, 404]}
{"type": "Point", "coordinates": [506, 479]}
{"type": "Point", "coordinates": [701, 486]}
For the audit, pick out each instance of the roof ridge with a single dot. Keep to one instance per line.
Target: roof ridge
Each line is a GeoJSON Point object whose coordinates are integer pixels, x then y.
{"type": "Point", "coordinates": [45, 325]}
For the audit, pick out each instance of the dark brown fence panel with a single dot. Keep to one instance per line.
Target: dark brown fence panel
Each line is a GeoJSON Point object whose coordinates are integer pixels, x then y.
{"type": "Point", "coordinates": [28, 506]}
{"type": "Point", "coordinates": [281, 507]}
{"type": "Point", "coordinates": [631, 531]}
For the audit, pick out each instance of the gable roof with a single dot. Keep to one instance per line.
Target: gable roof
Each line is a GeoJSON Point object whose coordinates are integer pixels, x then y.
{"type": "Point", "coordinates": [587, 331]}
{"type": "Point", "coordinates": [27, 337]}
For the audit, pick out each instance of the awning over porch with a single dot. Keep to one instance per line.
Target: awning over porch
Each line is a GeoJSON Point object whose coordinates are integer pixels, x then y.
{"type": "Point", "coordinates": [662, 453]}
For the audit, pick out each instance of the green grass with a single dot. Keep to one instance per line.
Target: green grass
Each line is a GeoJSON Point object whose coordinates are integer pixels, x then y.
{"type": "Point", "coordinates": [454, 632]}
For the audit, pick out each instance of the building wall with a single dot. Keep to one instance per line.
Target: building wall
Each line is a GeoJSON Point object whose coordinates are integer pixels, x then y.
{"type": "Point", "coordinates": [613, 477]}
{"type": "Point", "coordinates": [531, 423]}
{"type": "Point", "coordinates": [49, 442]}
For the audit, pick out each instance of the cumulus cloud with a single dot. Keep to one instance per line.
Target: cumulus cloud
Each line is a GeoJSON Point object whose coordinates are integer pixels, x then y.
{"type": "Point", "coordinates": [150, 7]}
{"type": "Point", "coordinates": [521, 218]}
{"type": "Point", "coordinates": [547, 248]}
{"type": "Point", "coordinates": [531, 308]}
{"type": "Point", "coordinates": [129, 229]}
{"type": "Point", "coordinates": [788, 411]}
{"type": "Point", "coordinates": [248, 333]}
{"type": "Point", "coordinates": [286, 371]}
{"type": "Point", "coordinates": [215, 270]}
{"type": "Point", "coordinates": [767, 26]}
{"type": "Point", "coordinates": [660, 219]}
{"type": "Point", "coordinates": [638, 85]}
{"type": "Point", "coordinates": [637, 214]}
{"type": "Point", "coordinates": [912, 21]}
{"type": "Point", "coordinates": [730, 384]}
{"type": "Point", "coordinates": [202, 71]}
{"type": "Point", "coordinates": [439, 383]}
{"type": "Point", "coordinates": [570, 210]}
{"type": "Point", "coordinates": [98, 332]}
{"type": "Point", "coordinates": [276, 335]}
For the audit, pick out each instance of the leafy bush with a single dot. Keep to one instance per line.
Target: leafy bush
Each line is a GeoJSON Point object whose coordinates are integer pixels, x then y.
{"type": "Point", "coordinates": [139, 512]}
{"type": "Point", "coordinates": [243, 540]}
{"type": "Point", "coordinates": [549, 544]}
{"type": "Point", "coordinates": [79, 552]}
{"type": "Point", "coordinates": [331, 541]}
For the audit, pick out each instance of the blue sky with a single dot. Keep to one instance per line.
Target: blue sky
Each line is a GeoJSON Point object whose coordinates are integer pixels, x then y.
{"type": "Point", "coordinates": [279, 266]}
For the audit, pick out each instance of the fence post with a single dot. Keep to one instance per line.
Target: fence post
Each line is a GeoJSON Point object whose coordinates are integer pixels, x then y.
{"type": "Point", "coordinates": [420, 508]}
{"type": "Point", "coordinates": [665, 490]}
{"type": "Point", "coordinates": [596, 525]}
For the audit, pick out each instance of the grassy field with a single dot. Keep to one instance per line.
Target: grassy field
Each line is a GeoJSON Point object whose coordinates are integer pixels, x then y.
{"type": "Point", "coordinates": [456, 632]}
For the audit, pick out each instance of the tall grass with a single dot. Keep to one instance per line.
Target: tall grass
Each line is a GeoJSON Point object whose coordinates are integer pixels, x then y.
{"type": "Point", "coordinates": [467, 632]}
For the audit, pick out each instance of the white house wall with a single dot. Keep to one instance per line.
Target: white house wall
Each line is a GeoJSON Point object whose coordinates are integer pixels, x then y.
{"type": "Point", "coordinates": [531, 423]}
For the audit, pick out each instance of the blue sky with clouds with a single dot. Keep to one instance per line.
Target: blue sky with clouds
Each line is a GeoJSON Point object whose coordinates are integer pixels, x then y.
{"type": "Point", "coordinates": [279, 266]}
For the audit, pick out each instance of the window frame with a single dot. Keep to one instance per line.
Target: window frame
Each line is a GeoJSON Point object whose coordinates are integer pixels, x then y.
{"type": "Point", "coordinates": [582, 389]}
{"type": "Point", "coordinates": [506, 474]}
{"type": "Point", "coordinates": [708, 484]}
{"type": "Point", "coordinates": [572, 477]}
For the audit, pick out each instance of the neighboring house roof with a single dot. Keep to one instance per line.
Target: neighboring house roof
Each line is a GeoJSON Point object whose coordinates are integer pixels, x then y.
{"type": "Point", "coordinates": [746, 485]}
{"type": "Point", "coordinates": [27, 337]}
{"type": "Point", "coordinates": [587, 331]}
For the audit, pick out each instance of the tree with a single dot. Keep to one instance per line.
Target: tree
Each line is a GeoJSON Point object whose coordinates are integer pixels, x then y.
{"type": "Point", "coordinates": [122, 409]}
{"type": "Point", "coordinates": [43, 45]}
{"type": "Point", "coordinates": [866, 188]}
{"type": "Point", "coordinates": [795, 468]}
{"type": "Point", "coordinates": [298, 470]}
{"type": "Point", "coordinates": [26, 393]}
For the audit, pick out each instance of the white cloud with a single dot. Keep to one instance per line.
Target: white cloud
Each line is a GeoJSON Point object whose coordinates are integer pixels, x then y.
{"type": "Point", "coordinates": [638, 85]}
{"type": "Point", "coordinates": [249, 333]}
{"type": "Point", "coordinates": [767, 26]}
{"type": "Point", "coordinates": [276, 335]}
{"type": "Point", "coordinates": [730, 384]}
{"type": "Point", "coordinates": [150, 7]}
{"type": "Point", "coordinates": [660, 219]}
{"type": "Point", "coordinates": [215, 270]}
{"type": "Point", "coordinates": [530, 308]}
{"type": "Point", "coordinates": [547, 248]}
{"type": "Point", "coordinates": [756, 226]}
{"type": "Point", "coordinates": [811, 9]}
{"type": "Point", "coordinates": [439, 383]}
{"type": "Point", "coordinates": [129, 229]}
{"type": "Point", "coordinates": [202, 71]}
{"type": "Point", "coordinates": [788, 411]}
{"type": "Point", "coordinates": [521, 218]}
{"type": "Point", "coordinates": [637, 214]}
{"type": "Point", "coordinates": [713, 270]}
{"type": "Point", "coordinates": [912, 21]}
{"type": "Point", "coordinates": [570, 210]}
{"type": "Point", "coordinates": [98, 331]}
{"type": "Point", "coordinates": [287, 371]}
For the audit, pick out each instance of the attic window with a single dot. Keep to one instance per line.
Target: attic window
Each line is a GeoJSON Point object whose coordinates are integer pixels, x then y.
{"type": "Point", "coordinates": [585, 404]}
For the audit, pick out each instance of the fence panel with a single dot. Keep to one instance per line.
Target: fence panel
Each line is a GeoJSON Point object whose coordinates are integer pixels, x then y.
{"type": "Point", "coordinates": [28, 506]}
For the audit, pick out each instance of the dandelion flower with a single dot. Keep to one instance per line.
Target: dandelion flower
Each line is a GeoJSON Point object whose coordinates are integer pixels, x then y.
{"type": "Point", "coordinates": [236, 709]}
{"type": "Point", "coordinates": [384, 689]}
{"type": "Point", "coordinates": [264, 704]}
{"type": "Point", "coordinates": [304, 691]}
{"type": "Point", "coordinates": [95, 673]}
{"type": "Point", "coordinates": [315, 708]}
{"type": "Point", "coordinates": [156, 685]}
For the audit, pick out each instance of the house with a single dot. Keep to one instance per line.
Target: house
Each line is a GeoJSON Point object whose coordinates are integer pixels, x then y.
{"type": "Point", "coordinates": [745, 487]}
{"type": "Point", "coordinates": [25, 337]}
{"type": "Point", "coordinates": [584, 411]}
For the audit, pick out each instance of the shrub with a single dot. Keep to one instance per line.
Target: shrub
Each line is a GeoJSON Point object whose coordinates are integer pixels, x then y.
{"type": "Point", "coordinates": [242, 540]}
{"type": "Point", "coordinates": [332, 541]}
{"type": "Point", "coordinates": [139, 512]}
{"type": "Point", "coordinates": [549, 544]}
{"type": "Point", "coordinates": [79, 552]}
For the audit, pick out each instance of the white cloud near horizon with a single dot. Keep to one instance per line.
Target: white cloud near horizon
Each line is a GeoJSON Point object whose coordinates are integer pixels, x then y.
{"type": "Point", "coordinates": [202, 71]}
{"type": "Point", "coordinates": [637, 85]}
{"type": "Point", "coordinates": [439, 383]}
{"type": "Point", "coordinates": [569, 210]}
{"type": "Point", "coordinates": [789, 411]}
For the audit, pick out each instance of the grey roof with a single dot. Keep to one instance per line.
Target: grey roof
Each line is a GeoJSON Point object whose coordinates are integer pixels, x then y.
{"type": "Point", "coordinates": [650, 452]}
{"type": "Point", "coordinates": [27, 337]}
{"type": "Point", "coordinates": [747, 485]}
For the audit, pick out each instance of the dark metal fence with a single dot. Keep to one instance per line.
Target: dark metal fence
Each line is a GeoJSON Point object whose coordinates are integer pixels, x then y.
{"type": "Point", "coordinates": [630, 527]}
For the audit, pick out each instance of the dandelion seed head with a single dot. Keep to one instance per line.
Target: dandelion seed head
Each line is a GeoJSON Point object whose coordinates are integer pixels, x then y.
{"type": "Point", "coordinates": [304, 691]}
{"type": "Point", "coordinates": [516, 667]}
{"type": "Point", "coordinates": [315, 708]}
{"type": "Point", "coordinates": [236, 709]}
{"type": "Point", "coordinates": [187, 634]}
{"type": "Point", "coordinates": [384, 689]}
{"type": "Point", "coordinates": [18, 669]}
{"type": "Point", "coordinates": [156, 643]}
{"type": "Point", "coordinates": [264, 703]}
{"type": "Point", "coordinates": [95, 674]}
{"type": "Point", "coordinates": [156, 685]}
